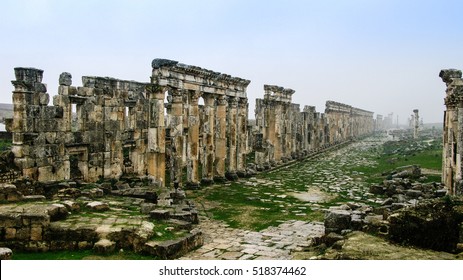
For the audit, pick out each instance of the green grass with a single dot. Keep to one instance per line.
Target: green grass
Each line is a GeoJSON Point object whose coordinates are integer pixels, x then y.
{"type": "Point", "coordinates": [5, 145]}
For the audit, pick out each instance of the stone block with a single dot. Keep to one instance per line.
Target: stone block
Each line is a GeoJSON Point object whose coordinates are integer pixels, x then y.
{"type": "Point", "coordinates": [104, 246]}
{"type": "Point", "coordinates": [36, 233]}
{"type": "Point", "coordinates": [57, 212]}
{"type": "Point", "coordinates": [10, 233]}
{"type": "Point", "coordinates": [337, 220]}
{"type": "Point", "coordinates": [5, 253]}
{"type": "Point", "coordinates": [160, 214]}
{"type": "Point", "coordinates": [71, 206]}
{"type": "Point", "coordinates": [146, 208]}
{"type": "Point", "coordinates": [98, 206]}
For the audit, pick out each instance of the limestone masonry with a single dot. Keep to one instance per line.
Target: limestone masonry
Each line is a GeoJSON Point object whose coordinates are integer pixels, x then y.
{"type": "Point", "coordinates": [453, 134]}
{"type": "Point", "coordinates": [110, 127]}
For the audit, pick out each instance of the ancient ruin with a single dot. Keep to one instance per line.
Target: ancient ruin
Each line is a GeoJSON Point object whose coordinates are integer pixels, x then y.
{"type": "Point", "coordinates": [105, 167]}
{"type": "Point", "coordinates": [285, 133]}
{"type": "Point", "coordinates": [453, 121]}
{"type": "Point", "coordinates": [109, 127]}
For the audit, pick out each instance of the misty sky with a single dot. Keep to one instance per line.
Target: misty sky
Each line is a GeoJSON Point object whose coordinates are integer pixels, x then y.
{"type": "Point", "coordinates": [382, 56]}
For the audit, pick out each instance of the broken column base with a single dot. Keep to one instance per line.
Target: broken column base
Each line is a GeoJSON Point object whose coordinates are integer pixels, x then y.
{"type": "Point", "coordinates": [231, 176]}
{"type": "Point", "coordinates": [191, 186]}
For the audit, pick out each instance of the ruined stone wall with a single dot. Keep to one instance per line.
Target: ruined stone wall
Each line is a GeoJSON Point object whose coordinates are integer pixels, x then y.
{"type": "Point", "coordinates": [91, 132]}
{"type": "Point", "coordinates": [453, 136]}
{"type": "Point", "coordinates": [110, 127]}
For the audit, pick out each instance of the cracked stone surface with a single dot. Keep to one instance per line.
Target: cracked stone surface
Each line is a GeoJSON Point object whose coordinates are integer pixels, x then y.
{"type": "Point", "coordinates": [274, 243]}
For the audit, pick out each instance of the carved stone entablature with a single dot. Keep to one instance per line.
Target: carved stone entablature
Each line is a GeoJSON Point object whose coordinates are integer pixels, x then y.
{"type": "Point", "coordinates": [169, 72]}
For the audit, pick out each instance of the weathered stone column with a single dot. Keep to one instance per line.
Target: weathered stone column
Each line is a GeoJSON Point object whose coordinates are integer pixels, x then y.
{"type": "Point", "coordinates": [416, 123]}
{"type": "Point", "coordinates": [193, 140]}
{"type": "Point", "coordinates": [156, 156]}
{"type": "Point", "coordinates": [232, 138]}
{"type": "Point", "coordinates": [220, 138]}
{"type": "Point", "coordinates": [242, 136]}
{"type": "Point", "coordinates": [176, 134]}
{"type": "Point", "coordinates": [209, 133]}
{"type": "Point", "coordinates": [453, 118]}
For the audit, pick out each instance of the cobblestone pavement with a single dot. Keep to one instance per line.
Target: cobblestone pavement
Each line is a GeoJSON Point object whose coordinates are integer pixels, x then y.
{"type": "Point", "coordinates": [274, 243]}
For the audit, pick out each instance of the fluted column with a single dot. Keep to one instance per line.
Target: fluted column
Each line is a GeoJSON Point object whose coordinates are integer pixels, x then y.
{"type": "Point", "coordinates": [220, 138]}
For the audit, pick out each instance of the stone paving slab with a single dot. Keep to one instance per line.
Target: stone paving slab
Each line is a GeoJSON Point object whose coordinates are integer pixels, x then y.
{"type": "Point", "coordinates": [273, 243]}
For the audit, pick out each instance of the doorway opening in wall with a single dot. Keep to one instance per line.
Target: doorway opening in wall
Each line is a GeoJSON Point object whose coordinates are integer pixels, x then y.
{"type": "Point", "coordinates": [128, 166]}
{"type": "Point", "coordinates": [75, 172]}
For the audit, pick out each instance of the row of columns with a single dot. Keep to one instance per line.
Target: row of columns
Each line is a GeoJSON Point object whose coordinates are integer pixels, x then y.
{"type": "Point", "coordinates": [222, 153]}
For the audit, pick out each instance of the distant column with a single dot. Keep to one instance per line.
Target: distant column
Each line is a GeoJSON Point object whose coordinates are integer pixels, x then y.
{"type": "Point", "coordinates": [416, 124]}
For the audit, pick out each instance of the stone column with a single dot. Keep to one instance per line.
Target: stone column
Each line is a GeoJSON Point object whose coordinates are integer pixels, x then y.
{"type": "Point", "coordinates": [232, 138]}
{"type": "Point", "coordinates": [453, 119]}
{"type": "Point", "coordinates": [193, 140]}
{"type": "Point", "coordinates": [209, 134]}
{"type": "Point", "coordinates": [273, 130]}
{"type": "Point", "coordinates": [416, 123]}
{"type": "Point", "coordinates": [220, 138]}
{"type": "Point", "coordinates": [242, 136]}
{"type": "Point", "coordinates": [156, 156]}
{"type": "Point", "coordinates": [176, 135]}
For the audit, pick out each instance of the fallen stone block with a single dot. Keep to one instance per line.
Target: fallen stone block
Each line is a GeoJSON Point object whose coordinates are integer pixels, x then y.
{"type": "Point", "coordinates": [57, 212]}
{"type": "Point", "coordinates": [72, 206]}
{"type": "Point", "coordinates": [160, 214]}
{"type": "Point", "coordinates": [337, 220]}
{"type": "Point", "coordinates": [146, 208]}
{"type": "Point", "coordinates": [98, 206]}
{"type": "Point", "coordinates": [34, 198]}
{"type": "Point", "coordinates": [5, 253]}
{"type": "Point", "coordinates": [104, 246]}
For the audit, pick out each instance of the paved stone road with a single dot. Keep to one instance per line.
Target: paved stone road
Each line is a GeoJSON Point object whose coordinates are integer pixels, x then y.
{"type": "Point", "coordinates": [224, 243]}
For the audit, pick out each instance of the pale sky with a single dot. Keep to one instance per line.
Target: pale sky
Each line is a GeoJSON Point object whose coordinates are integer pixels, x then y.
{"type": "Point", "coordinates": [381, 56]}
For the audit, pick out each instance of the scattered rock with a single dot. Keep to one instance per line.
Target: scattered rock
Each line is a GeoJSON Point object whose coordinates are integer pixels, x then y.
{"type": "Point", "coordinates": [104, 246]}
{"type": "Point", "coordinates": [98, 206]}
{"type": "Point", "coordinates": [5, 253]}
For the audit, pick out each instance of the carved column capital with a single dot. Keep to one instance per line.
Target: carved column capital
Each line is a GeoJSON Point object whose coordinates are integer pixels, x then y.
{"type": "Point", "coordinates": [243, 102]}
{"type": "Point", "coordinates": [194, 96]}
{"type": "Point", "coordinates": [175, 95]}
{"type": "Point", "coordinates": [233, 101]}
{"type": "Point", "coordinates": [221, 100]}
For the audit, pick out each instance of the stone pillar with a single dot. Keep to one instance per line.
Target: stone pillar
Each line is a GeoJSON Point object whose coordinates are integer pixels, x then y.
{"type": "Point", "coordinates": [156, 165]}
{"type": "Point", "coordinates": [27, 87]}
{"type": "Point", "coordinates": [176, 135]}
{"type": "Point", "coordinates": [193, 140]}
{"type": "Point", "coordinates": [242, 136]}
{"type": "Point", "coordinates": [209, 134]}
{"type": "Point", "coordinates": [232, 120]}
{"type": "Point", "coordinates": [220, 138]}
{"type": "Point", "coordinates": [453, 118]}
{"type": "Point", "coordinates": [416, 125]}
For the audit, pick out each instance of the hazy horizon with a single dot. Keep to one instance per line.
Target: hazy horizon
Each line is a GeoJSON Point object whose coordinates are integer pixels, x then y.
{"type": "Point", "coordinates": [381, 56]}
